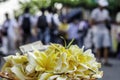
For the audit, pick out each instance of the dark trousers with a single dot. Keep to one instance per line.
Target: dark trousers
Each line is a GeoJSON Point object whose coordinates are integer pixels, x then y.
{"type": "Point", "coordinates": [118, 49]}
{"type": "Point", "coordinates": [26, 36]}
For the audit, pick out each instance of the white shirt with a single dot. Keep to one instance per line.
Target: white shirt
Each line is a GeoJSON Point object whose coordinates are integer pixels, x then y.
{"type": "Point", "coordinates": [73, 31]}
{"type": "Point", "coordinates": [11, 24]}
{"type": "Point", "coordinates": [34, 20]}
{"type": "Point", "coordinates": [82, 25]}
{"type": "Point", "coordinates": [4, 47]}
{"type": "Point", "coordinates": [100, 15]}
{"type": "Point", "coordinates": [55, 18]}
{"type": "Point", "coordinates": [118, 17]}
{"type": "Point", "coordinates": [49, 17]}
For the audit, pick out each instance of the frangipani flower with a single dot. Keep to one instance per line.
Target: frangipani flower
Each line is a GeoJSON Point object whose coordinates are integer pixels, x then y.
{"type": "Point", "coordinates": [55, 63]}
{"type": "Point", "coordinates": [62, 64]}
{"type": "Point", "coordinates": [46, 62]}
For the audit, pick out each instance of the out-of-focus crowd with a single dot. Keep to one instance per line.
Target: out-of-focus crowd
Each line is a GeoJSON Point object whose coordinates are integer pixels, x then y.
{"type": "Point", "coordinates": [47, 27]}
{"type": "Point", "coordinates": [94, 33]}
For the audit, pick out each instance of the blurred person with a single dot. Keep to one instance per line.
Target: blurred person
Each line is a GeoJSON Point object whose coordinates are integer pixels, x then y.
{"type": "Point", "coordinates": [56, 17]}
{"type": "Point", "coordinates": [118, 34]}
{"type": "Point", "coordinates": [64, 12]}
{"type": "Point", "coordinates": [25, 23]}
{"type": "Point", "coordinates": [0, 36]}
{"type": "Point", "coordinates": [53, 23]}
{"type": "Point", "coordinates": [15, 15]}
{"type": "Point", "coordinates": [73, 31]}
{"type": "Point", "coordinates": [42, 25]}
{"type": "Point", "coordinates": [17, 32]}
{"type": "Point", "coordinates": [9, 31]}
{"type": "Point", "coordinates": [99, 17]}
{"type": "Point", "coordinates": [63, 28]}
{"type": "Point", "coordinates": [49, 17]}
{"type": "Point", "coordinates": [83, 26]}
{"type": "Point", "coordinates": [35, 35]}
{"type": "Point", "coordinates": [3, 44]}
{"type": "Point", "coordinates": [35, 20]}
{"type": "Point", "coordinates": [88, 41]}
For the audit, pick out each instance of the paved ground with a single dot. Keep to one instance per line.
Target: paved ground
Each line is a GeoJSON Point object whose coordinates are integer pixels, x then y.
{"type": "Point", "coordinates": [111, 73]}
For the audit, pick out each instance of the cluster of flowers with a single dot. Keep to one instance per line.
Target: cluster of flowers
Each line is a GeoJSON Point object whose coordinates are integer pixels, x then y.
{"type": "Point", "coordinates": [54, 63]}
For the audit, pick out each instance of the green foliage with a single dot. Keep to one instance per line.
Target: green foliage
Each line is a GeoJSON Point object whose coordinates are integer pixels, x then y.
{"type": "Point", "coordinates": [76, 3]}
{"type": "Point", "coordinates": [3, 0]}
{"type": "Point", "coordinates": [36, 4]}
{"type": "Point", "coordinates": [113, 4]}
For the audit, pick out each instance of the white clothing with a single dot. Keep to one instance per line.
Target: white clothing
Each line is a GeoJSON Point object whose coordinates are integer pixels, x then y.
{"type": "Point", "coordinates": [101, 33]}
{"type": "Point", "coordinates": [73, 31]}
{"type": "Point", "coordinates": [118, 17]}
{"type": "Point", "coordinates": [101, 38]}
{"type": "Point", "coordinates": [4, 47]}
{"type": "Point", "coordinates": [103, 3]}
{"type": "Point", "coordinates": [49, 17]}
{"type": "Point", "coordinates": [34, 20]}
{"type": "Point", "coordinates": [82, 25]}
{"type": "Point", "coordinates": [117, 32]}
{"type": "Point", "coordinates": [11, 25]}
{"type": "Point", "coordinates": [88, 41]}
{"type": "Point", "coordinates": [99, 15]}
{"type": "Point", "coordinates": [55, 18]}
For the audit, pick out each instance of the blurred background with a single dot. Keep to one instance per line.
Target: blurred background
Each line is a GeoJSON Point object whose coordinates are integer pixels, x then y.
{"type": "Point", "coordinates": [94, 24]}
